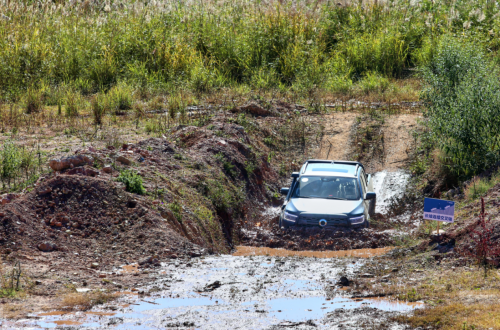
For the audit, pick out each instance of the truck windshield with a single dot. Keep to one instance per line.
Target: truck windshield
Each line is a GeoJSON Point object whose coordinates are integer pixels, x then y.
{"type": "Point", "coordinates": [326, 187]}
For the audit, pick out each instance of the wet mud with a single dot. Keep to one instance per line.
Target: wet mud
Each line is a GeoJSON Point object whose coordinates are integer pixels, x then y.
{"type": "Point", "coordinates": [248, 292]}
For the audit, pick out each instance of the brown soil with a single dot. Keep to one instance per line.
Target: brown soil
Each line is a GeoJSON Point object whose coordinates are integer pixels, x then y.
{"type": "Point", "coordinates": [340, 140]}
{"type": "Point", "coordinates": [398, 141]}
{"type": "Point", "coordinates": [336, 139]}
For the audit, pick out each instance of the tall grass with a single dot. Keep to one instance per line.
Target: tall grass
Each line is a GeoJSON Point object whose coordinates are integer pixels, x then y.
{"type": "Point", "coordinates": [201, 45]}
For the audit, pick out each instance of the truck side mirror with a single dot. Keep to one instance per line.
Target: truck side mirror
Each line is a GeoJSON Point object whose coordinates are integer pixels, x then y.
{"type": "Point", "coordinates": [284, 191]}
{"type": "Point", "coordinates": [295, 174]}
{"type": "Point", "coordinates": [370, 195]}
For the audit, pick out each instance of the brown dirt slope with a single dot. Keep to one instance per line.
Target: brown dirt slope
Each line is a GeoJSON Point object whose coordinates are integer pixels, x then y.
{"type": "Point", "coordinates": [336, 138]}
{"type": "Point", "coordinates": [398, 140]}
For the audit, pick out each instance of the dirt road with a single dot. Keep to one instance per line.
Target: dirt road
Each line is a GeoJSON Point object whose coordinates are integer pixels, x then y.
{"type": "Point", "coordinates": [340, 129]}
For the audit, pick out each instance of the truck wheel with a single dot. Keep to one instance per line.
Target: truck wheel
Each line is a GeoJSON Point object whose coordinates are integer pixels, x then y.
{"type": "Point", "coordinates": [282, 225]}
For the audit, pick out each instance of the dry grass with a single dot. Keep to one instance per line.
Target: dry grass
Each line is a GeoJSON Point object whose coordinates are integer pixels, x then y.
{"type": "Point", "coordinates": [85, 301]}
{"type": "Point", "coordinates": [456, 316]}
{"type": "Point", "coordinates": [13, 311]}
{"type": "Point", "coordinates": [455, 298]}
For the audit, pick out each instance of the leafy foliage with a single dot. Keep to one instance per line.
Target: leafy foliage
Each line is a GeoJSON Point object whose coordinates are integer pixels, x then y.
{"type": "Point", "coordinates": [464, 106]}
{"type": "Point", "coordinates": [132, 181]}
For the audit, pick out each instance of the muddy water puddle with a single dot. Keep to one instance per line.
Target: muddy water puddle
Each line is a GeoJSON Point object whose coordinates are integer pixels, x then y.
{"type": "Point", "coordinates": [265, 251]}
{"type": "Point", "coordinates": [248, 292]}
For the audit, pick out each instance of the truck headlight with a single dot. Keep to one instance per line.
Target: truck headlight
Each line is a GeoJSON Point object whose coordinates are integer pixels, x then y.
{"type": "Point", "coordinates": [290, 217]}
{"type": "Point", "coordinates": [357, 220]}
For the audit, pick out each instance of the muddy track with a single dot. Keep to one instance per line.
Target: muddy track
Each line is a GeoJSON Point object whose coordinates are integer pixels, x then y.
{"type": "Point", "coordinates": [340, 135]}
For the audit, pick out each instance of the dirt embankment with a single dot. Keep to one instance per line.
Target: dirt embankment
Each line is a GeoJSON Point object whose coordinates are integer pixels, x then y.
{"type": "Point", "coordinates": [202, 184]}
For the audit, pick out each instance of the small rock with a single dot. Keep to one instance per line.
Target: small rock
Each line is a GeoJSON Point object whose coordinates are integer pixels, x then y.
{"type": "Point", "coordinates": [253, 109]}
{"type": "Point", "coordinates": [144, 261]}
{"type": "Point", "coordinates": [70, 162]}
{"type": "Point", "coordinates": [46, 191]}
{"type": "Point", "coordinates": [37, 282]}
{"type": "Point", "coordinates": [82, 290]}
{"type": "Point", "coordinates": [367, 275]}
{"type": "Point", "coordinates": [47, 247]}
{"type": "Point", "coordinates": [107, 169]}
{"type": "Point", "coordinates": [212, 286]}
{"type": "Point", "coordinates": [82, 171]}
{"type": "Point", "coordinates": [195, 254]}
{"type": "Point", "coordinates": [94, 265]}
{"type": "Point", "coordinates": [124, 160]}
{"type": "Point", "coordinates": [344, 281]}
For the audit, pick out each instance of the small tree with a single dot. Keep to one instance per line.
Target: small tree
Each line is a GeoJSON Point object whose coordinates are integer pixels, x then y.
{"type": "Point", "coordinates": [481, 247]}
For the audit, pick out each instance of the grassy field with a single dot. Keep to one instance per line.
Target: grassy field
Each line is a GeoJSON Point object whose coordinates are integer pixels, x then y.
{"type": "Point", "coordinates": [77, 66]}
{"type": "Point", "coordinates": [51, 48]}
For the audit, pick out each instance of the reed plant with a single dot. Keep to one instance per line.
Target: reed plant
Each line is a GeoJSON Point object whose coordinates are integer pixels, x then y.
{"type": "Point", "coordinates": [202, 45]}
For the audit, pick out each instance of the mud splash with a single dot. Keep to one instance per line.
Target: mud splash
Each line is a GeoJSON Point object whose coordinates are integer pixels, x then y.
{"type": "Point", "coordinates": [265, 251]}
{"type": "Point", "coordinates": [388, 185]}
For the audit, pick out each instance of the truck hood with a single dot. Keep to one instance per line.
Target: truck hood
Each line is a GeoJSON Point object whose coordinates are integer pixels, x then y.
{"type": "Point", "coordinates": [325, 206]}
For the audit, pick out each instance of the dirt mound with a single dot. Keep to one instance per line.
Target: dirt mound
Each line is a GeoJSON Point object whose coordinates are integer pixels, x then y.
{"type": "Point", "coordinates": [84, 215]}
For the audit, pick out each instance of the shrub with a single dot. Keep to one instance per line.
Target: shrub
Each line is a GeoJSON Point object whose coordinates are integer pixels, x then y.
{"type": "Point", "coordinates": [482, 247]}
{"type": "Point", "coordinates": [98, 106]}
{"type": "Point", "coordinates": [73, 103]}
{"type": "Point", "coordinates": [120, 98]}
{"type": "Point", "coordinates": [10, 160]}
{"type": "Point", "coordinates": [33, 101]}
{"type": "Point", "coordinates": [133, 182]}
{"type": "Point", "coordinates": [463, 98]}
{"type": "Point", "coordinates": [373, 82]}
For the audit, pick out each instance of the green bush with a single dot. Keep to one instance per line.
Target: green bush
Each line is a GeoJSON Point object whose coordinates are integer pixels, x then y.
{"type": "Point", "coordinates": [463, 98]}
{"type": "Point", "coordinates": [133, 182]}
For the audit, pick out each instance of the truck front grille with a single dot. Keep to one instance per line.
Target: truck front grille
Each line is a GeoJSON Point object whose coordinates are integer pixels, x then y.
{"type": "Point", "coordinates": [314, 221]}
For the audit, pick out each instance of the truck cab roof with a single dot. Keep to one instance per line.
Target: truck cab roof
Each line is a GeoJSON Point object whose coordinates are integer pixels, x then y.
{"type": "Point", "coordinates": [330, 167]}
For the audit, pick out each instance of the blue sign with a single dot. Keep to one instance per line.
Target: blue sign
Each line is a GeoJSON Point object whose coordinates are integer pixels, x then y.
{"type": "Point", "coordinates": [439, 210]}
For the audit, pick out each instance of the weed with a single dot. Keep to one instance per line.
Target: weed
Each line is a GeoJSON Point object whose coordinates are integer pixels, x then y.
{"type": "Point", "coordinates": [34, 101]}
{"type": "Point", "coordinates": [176, 209]}
{"type": "Point", "coordinates": [133, 182]}
{"type": "Point", "coordinates": [479, 186]}
{"type": "Point", "coordinates": [73, 103]}
{"type": "Point", "coordinates": [85, 301]}
{"type": "Point", "coordinates": [228, 167]}
{"type": "Point", "coordinates": [482, 247]}
{"type": "Point", "coordinates": [98, 108]}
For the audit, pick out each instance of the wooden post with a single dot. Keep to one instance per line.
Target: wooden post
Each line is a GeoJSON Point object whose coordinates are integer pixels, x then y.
{"type": "Point", "coordinates": [438, 228]}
